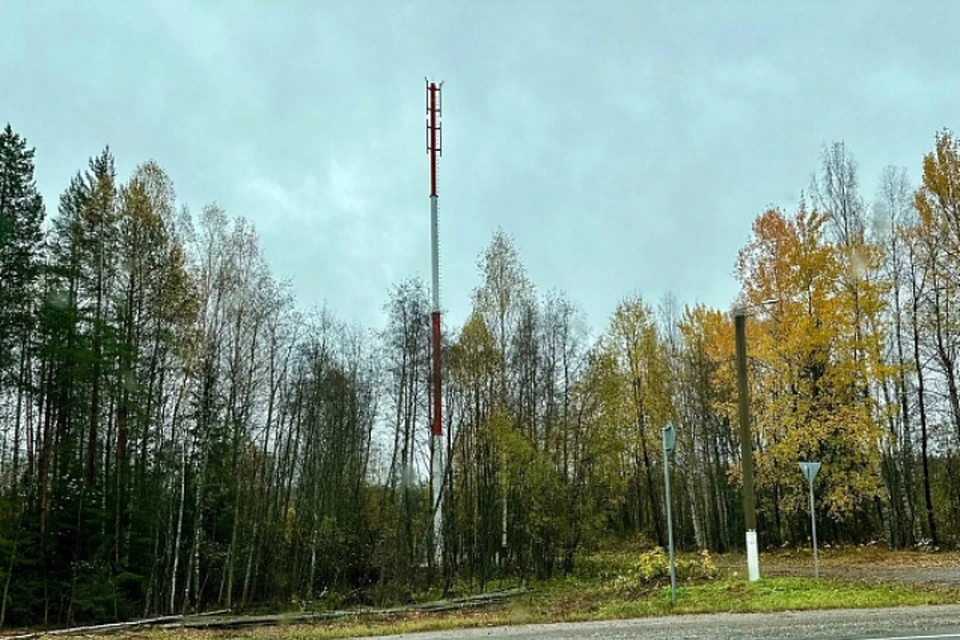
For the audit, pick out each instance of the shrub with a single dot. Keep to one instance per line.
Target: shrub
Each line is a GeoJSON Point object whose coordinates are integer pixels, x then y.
{"type": "Point", "coordinates": [654, 566]}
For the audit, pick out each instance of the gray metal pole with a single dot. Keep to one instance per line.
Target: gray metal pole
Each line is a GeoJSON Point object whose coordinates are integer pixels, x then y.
{"type": "Point", "coordinates": [666, 483]}
{"type": "Point", "coordinates": [813, 528]}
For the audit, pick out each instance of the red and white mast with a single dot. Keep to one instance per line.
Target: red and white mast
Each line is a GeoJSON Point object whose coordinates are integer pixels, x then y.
{"type": "Point", "coordinates": [434, 149]}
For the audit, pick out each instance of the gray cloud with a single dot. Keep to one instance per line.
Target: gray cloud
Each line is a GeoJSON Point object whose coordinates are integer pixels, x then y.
{"type": "Point", "coordinates": [626, 146]}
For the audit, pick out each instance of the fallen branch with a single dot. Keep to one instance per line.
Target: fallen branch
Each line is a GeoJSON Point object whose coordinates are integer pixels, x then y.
{"type": "Point", "coordinates": [236, 622]}
{"type": "Point", "coordinates": [218, 612]}
{"type": "Point", "coordinates": [98, 628]}
{"type": "Point", "coordinates": [216, 619]}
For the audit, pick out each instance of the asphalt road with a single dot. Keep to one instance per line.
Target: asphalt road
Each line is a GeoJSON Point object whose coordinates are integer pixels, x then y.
{"type": "Point", "coordinates": [902, 623]}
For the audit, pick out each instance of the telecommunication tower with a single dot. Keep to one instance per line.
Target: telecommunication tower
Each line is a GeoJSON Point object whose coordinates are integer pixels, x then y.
{"type": "Point", "coordinates": [435, 150]}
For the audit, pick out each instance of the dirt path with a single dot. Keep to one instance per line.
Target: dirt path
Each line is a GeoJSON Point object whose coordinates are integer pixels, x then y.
{"type": "Point", "coordinates": [906, 575]}
{"type": "Point", "coordinates": [869, 565]}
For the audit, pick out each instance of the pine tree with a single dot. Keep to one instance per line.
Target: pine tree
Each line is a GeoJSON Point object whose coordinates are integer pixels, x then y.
{"type": "Point", "coordinates": [21, 213]}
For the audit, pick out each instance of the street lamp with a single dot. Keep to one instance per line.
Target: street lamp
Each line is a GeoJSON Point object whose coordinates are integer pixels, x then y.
{"type": "Point", "coordinates": [746, 447]}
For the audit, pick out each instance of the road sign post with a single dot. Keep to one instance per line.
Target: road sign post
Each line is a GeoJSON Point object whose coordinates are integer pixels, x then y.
{"type": "Point", "coordinates": [669, 442]}
{"type": "Point", "coordinates": [810, 470]}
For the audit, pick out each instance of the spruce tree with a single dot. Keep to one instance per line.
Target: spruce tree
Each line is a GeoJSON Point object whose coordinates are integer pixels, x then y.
{"type": "Point", "coordinates": [21, 213]}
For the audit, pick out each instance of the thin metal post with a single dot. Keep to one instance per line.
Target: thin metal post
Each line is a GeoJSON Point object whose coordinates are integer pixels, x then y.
{"type": "Point", "coordinates": [813, 527]}
{"type": "Point", "coordinates": [810, 471]}
{"type": "Point", "coordinates": [667, 449]}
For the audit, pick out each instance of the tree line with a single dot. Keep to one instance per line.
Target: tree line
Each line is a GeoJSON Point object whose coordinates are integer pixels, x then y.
{"type": "Point", "coordinates": [177, 434]}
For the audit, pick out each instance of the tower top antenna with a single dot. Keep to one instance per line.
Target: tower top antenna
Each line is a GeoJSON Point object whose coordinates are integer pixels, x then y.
{"type": "Point", "coordinates": [434, 131]}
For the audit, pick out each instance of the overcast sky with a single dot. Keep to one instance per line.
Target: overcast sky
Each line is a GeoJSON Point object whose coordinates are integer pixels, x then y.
{"type": "Point", "coordinates": [626, 146]}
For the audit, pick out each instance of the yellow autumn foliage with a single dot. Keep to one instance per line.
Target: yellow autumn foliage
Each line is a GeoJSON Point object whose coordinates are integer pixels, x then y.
{"type": "Point", "coordinates": [814, 349]}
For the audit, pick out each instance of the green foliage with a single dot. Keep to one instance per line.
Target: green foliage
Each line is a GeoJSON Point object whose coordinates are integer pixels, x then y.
{"type": "Point", "coordinates": [21, 215]}
{"type": "Point", "coordinates": [654, 566]}
{"type": "Point", "coordinates": [176, 435]}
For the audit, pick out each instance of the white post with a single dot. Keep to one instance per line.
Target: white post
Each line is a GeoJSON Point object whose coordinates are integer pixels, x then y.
{"type": "Point", "coordinates": [434, 255]}
{"type": "Point", "coordinates": [753, 557]}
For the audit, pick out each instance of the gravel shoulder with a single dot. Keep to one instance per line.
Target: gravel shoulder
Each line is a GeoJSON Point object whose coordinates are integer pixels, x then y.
{"type": "Point", "coordinates": [863, 564]}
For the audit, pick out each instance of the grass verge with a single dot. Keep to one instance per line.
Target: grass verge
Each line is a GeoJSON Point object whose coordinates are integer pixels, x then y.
{"type": "Point", "coordinates": [629, 581]}
{"type": "Point", "coordinates": [572, 600]}
{"type": "Point", "coordinates": [779, 594]}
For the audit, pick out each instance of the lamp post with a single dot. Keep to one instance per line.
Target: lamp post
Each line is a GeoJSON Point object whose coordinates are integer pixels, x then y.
{"type": "Point", "coordinates": [746, 443]}
{"type": "Point", "coordinates": [746, 447]}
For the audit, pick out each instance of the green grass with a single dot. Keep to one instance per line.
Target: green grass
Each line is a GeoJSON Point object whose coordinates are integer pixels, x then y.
{"type": "Point", "coordinates": [777, 594]}
{"type": "Point", "coordinates": [573, 600]}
